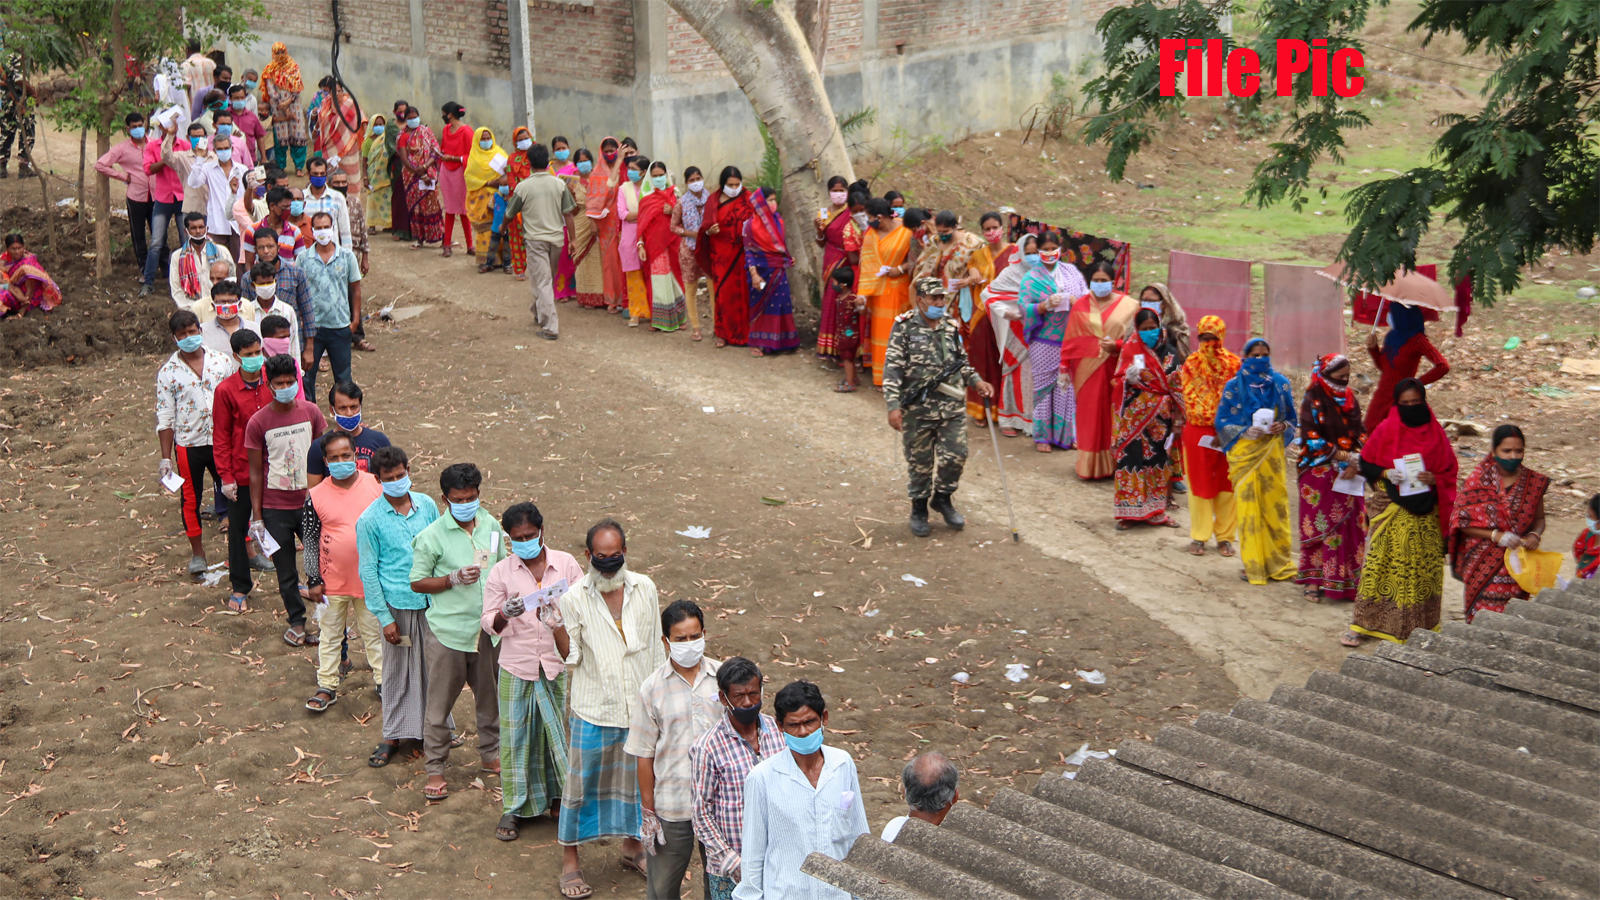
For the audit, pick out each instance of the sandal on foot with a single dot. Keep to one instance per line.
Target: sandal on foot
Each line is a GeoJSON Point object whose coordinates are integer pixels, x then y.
{"type": "Point", "coordinates": [639, 863]}
{"type": "Point", "coordinates": [457, 739]}
{"type": "Point", "coordinates": [1350, 639]}
{"type": "Point", "coordinates": [345, 668]}
{"type": "Point", "coordinates": [380, 755]}
{"type": "Point", "coordinates": [235, 605]}
{"type": "Point", "coordinates": [435, 792]}
{"type": "Point", "coordinates": [1165, 522]}
{"type": "Point", "coordinates": [294, 636]}
{"type": "Point", "coordinates": [1313, 595]}
{"type": "Point", "coordinates": [365, 345]}
{"type": "Point", "coordinates": [1010, 432]}
{"type": "Point", "coordinates": [1123, 524]}
{"type": "Point", "coordinates": [321, 700]}
{"type": "Point", "coordinates": [1224, 548]}
{"type": "Point", "coordinates": [573, 887]}
{"type": "Point", "coordinates": [697, 336]}
{"type": "Point", "coordinates": [506, 830]}
{"type": "Point", "coordinates": [844, 387]}
{"type": "Point", "coordinates": [1197, 548]}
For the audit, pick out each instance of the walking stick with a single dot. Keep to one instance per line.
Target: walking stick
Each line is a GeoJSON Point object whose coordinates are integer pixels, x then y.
{"type": "Point", "coordinates": [1005, 486]}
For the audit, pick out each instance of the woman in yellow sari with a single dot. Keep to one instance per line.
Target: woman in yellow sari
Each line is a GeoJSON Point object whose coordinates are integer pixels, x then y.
{"type": "Point", "coordinates": [1256, 419]}
{"type": "Point", "coordinates": [884, 278]}
{"type": "Point", "coordinates": [375, 174]}
{"type": "Point", "coordinates": [1096, 326]}
{"type": "Point", "coordinates": [486, 166]}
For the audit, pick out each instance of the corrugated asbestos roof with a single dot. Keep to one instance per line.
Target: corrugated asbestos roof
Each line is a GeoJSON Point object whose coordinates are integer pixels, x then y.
{"type": "Point", "coordinates": [1463, 763]}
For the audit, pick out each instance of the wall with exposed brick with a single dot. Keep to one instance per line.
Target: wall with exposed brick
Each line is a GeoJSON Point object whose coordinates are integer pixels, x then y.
{"type": "Point", "coordinates": [471, 31]}
{"type": "Point", "coordinates": [582, 41]}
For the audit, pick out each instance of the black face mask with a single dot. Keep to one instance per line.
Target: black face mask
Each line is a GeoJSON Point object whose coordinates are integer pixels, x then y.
{"type": "Point", "coordinates": [1414, 416]}
{"type": "Point", "coordinates": [607, 565]}
{"type": "Point", "coordinates": [745, 715]}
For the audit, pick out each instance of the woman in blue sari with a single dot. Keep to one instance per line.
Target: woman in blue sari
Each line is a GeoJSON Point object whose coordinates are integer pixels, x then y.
{"type": "Point", "coordinates": [772, 328]}
{"type": "Point", "coordinates": [1045, 298]}
{"type": "Point", "coordinates": [1254, 442]}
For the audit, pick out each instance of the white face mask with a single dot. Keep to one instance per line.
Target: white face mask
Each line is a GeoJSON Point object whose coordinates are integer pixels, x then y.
{"type": "Point", "coordinates": [698, 187]}
{"type": "Point", "coordinates": [524, 144]}
{"type": "Point", "coordinates": [266, 291]}
{"type": "Point", "coordinates": [323, 236]}
{"type": "Point", "coordinates": [732, 190]}
{"type": "Point", "coordinates": [860, 220]}
{"type": "Point", "coordinates": [687, 653]}
{"type": "Point", "coordinates": [838, 197]}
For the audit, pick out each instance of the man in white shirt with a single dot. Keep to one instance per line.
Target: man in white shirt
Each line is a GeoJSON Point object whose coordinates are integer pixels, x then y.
{"type": "Point", "coordinates": [226, 318]}
{"type": "Point", "coordinates": [185, 386]}
{"type": "Point", "coordinates": [930, 785]}
{"type": "Point", "coordinates": [225, 181]}
{"type": "Point", "coordinates": [321, 198]}
{"type": "Point", "coordinates": [186, 152]}
{"type": "Point", "coordinates": [805, 801]}
{"type": "Point", "coordinates": [189, 279]}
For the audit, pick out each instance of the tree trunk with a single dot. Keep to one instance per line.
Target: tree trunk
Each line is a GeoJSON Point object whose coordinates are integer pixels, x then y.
{"type": "Point", "coordinates": [767, 53]}
{"type": "Point", "coordinates": [83, 185]}
{"type": "Point", "coordinates": [102, 142]}
{"type": "Point", "coordinates": [813, 18]}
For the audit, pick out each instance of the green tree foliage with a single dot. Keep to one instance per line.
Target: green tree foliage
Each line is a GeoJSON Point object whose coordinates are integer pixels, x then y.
{"type": "Point", "coordinates": [1520, 177]}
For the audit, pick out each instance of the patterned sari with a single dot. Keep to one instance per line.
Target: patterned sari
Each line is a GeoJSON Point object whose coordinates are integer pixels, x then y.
{"type": "Point", "coordinates": [887, 297]}
{"type": "Point", "coordinates": [1333, 525]}
{"type": "Point", "coordinates": [517, 168]}
{"type": "Point", "coordinates": [840, 238]}
{"type": "Point", "coordinates": [337, 138]}
{"type": "Point", "coordinates": [377, 194]}
{"type": "Point", "coordinates": [419, 148]}
{"type": "Point", "coordinates": [1479, 562]}
{"type": "Point", "coordinates": [588, 276]}
{"type": "Point", "coordinates": [599, 207]}
{"type": "Point", "coordinates": [27, 286]}
{"type": "Point", "coordinates": [1092, 379]}
{"type": "Point", "coordinates": [1146, 408]}
{"type": "Point", "coordinates": [1256, 467]}
{"type": "Point", "coordinates": [772, 328]}
{"type": "Point", "coordinates": [1054, 404]}
{"type": "Point", "coordinates": [1015, 388]}
{"type": "Point", "coordinates": [668, 310]}
{"type": "Point", "coordinates": [722, 258]}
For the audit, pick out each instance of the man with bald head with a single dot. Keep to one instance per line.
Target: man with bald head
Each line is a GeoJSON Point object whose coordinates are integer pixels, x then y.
{"type": "Point", "coordinates": [930, 786]}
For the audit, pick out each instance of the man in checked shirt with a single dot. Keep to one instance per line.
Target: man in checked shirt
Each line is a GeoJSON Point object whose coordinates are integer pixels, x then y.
{"type": "Point", "coordinates": [719, 761]}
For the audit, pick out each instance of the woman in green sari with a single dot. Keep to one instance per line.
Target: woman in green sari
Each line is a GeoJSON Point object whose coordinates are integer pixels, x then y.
{"type": "Point", "coordinates": [375, 155]}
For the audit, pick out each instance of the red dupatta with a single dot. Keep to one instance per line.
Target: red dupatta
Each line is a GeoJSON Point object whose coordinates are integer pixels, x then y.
{"type": "Point", "coordinates": [655, 228]}
{"type": "Point", "coordinates": [602, 196]}
{"type": "Point", "coordinates": [729, 216]}
{"type": "Point", "coordinates": [765, 242]}
{"type": "Point", "coordinates": [1392, 439]}
{"type": "Point", "coordinates": [1159, 385]}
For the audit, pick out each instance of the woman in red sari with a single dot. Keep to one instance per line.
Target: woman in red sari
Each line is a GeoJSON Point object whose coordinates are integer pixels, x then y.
{"type": "Point", "coordinates": [1148, 406]}
{"type": "Point", "coordinates": [1333, 524]}
{"type": "Point", "coordinates": [517, 168]}
{"type": "Point", "coordinates": [840, 238]}
{"type": "Point", "coordinates": [766, 252]}
{"type": "Point", "coordinates": [600, 206]}
{"type": "Point", "coordinates": [24, 284]}
{"type": "Point", "coordinates": [1501, 507]}
{"type": "Point", "coordinates": [419, 160]}
{"type": "Point", "coordinates": [1099, 321]}
{"type": "Point", "coordinates": [663, 276]}
{"type": "Point", "coordinates": [1404, 348]}
{"type": "Point", "coordinates": [719, 248]}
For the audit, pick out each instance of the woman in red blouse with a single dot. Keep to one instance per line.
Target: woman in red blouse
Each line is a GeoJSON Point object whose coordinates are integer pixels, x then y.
{"type": "Point", "coordinates": [1404, 348]}
{"type": "Point", "coordinates": [455, 143]}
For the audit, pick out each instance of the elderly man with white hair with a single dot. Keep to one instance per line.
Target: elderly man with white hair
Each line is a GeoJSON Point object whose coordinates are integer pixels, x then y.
{"type": "Point", "coordinates": [930, 785]}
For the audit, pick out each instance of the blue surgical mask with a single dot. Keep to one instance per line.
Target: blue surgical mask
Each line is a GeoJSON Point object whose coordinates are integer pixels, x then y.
{"type": "Point", "coordinates": [486, 144]}
{"type": "Point", "coordinates": [297, 208]}
{"type": "Point", "coordinates": [899, 211]}
{"type": "Point", "coordinates": [342, 469]}
{"type": "Point", "coordinates": [560, 155]}
{"type": "Point", "coordinates": [285, 394]}
{"type": "Point", "coordinates": [1100, 288]}
{"type": "Point", "coordinates": [527, 549]}
{"type": "Point", "coordinates": [634, 175]}
{"type": "Point", "coordinates": [1150, 336]}
{"type": "Point", "coordinates": [414, 122]}
{"type": "Point", "coordinates": [318, 181]}
{"type": "Point", "coordinates": [585, 167]}
{"type": "Point", "coordinates": [464, 512]}
{"type": "Point", "coordinates": [238, 105]}
{"type": "Point", "coordinates": [191, 343]}
{"type": "Point", "coordinates": [377, 129]}
{"type": "Point", "coordinates": [251, 85]}
{"type": "Point", "coordinates": [1152, 305]}
{"type": "Point", "coordinates": [197, 142]}
{"type": "Point", "coordinates": [348, 423]}
{"type": "Point", "coordinates": [1031, 259]}
{"type": "Point", "coordinates": [935, 312]}
{"type": "Point", "coordinates": [397, 488]}
{"type": "Point", "coordinates": [224, 130]}
{"type": "Point", "coordinates": [660, 181]}
{"type": "Point", "coordinates": [250, 365]}
{"type": "Point", "coordinates": [1594, 524]}
{"type": "Point", "coordinates": [224, 154]}
{"type": "Point", "coordinates": [502, 190]}
{"type": "Point", "coordinates": [136, 132]}
{"type": "Point", "coordinates": [807, 745]}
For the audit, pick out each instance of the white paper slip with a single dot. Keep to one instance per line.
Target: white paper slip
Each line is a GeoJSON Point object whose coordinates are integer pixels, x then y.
{"type": "Point", "coordinates": [1350, 483]}
{"type": "Point", "coordinates": [1170, 436]}
{"type": "Point", "coordinates": [172, 481]}
{"type": "Point", "coordinates": [1209, 441]}
{"type": "Point", "coordinates": [1262, 418]}
{"type": "Point", "coordinates": [269, 546]}
{"type": "Point", "coordinates": [545, 596]}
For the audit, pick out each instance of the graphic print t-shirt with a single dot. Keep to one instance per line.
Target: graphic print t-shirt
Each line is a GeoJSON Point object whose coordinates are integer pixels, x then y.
{"type": "Point", "coordinates": [284, 440]}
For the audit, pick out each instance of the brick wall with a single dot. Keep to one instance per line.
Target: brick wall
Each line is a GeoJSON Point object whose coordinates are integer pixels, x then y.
{"type": "Point", "coordinates": [379, 24]}
{"type": "Point", "coordinates": [689, 54]}
{"type": "Point", "coordinates": [917, 24]}
{"type": "Point", "coordinates": [307, 18]}
{"type": "Point", "coordinates": [582, 41]}
{"type": "Point", "coordinates": [472, 31]}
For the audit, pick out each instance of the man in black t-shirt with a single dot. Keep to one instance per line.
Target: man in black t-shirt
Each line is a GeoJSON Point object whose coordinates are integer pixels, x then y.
{"type": "Point", "coordinates": [345, 400]}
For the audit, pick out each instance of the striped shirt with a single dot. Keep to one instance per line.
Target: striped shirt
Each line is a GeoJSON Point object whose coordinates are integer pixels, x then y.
{"type": "Point", "coordinates": [605, 668]}
{"type": "Point", "coordinates": [670, 715]}
{"type": "Point", "coordinates": [719, 762]}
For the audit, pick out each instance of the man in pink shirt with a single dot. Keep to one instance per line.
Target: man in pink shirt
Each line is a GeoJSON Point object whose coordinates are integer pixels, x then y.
{"type": "Point", "coordinates": [165, 191]}
{"type": "Point", "coordinates": [333, 565]}
{"type": "Point", "coordinates": [124, 162]}
{"type": "Point", "coordinates": [245, 122]}
{"type": "Point", "coordinates": [533, 734]}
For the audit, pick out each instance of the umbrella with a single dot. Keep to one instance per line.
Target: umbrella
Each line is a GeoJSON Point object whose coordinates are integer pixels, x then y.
{"type": "Point", "coordinates": [1408, 288]}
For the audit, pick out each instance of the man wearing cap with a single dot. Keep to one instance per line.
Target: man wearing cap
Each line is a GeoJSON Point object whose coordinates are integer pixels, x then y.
{"type": "Point", "coordinates": [924, 373]}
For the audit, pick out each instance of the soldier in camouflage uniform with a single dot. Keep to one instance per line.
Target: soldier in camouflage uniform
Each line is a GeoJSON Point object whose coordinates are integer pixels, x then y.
{"type": "Point", "coordinates": [924, 374]}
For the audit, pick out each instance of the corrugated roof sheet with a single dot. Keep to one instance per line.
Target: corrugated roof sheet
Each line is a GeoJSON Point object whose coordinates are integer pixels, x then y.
{"type": "Point", "coordinates": [1463, 763]}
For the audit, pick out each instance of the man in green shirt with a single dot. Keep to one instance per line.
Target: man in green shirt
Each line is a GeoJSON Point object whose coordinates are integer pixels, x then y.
{"type": "Point", "coordinates": [449, 559]}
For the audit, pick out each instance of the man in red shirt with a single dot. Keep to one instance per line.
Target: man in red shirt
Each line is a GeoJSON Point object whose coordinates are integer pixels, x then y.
{"type": "Point", "coordinates": [277, 439]}
{"type": "Point", "coordinates": [235, 400]}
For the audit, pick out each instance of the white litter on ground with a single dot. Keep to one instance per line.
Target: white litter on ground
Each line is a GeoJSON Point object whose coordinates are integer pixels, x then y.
{"type": "Point", "coordinates": [698, 532]}
{"type": "Point", "coordinates": [1093, 676]}
{"type": "Point", "coordinates": [961, 678]}
{"type": "Point", "coordinates": [913, 579]}
{"type": "Point", "coordinates": [1017, 671]}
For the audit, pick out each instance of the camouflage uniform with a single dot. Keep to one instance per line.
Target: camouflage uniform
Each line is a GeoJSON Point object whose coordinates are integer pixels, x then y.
{"type": "Point", "coordinates": [936, 426]}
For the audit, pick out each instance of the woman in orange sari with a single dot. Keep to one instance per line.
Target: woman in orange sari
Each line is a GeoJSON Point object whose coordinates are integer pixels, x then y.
{"type": "Point", "coordinates": [339, 133]}
{"type": "Point", "coordinates": [719, 248]}
{"type": "Point", "coordinates": [1099, 321]}
{"type": "Point", "coordinates": [517, 168]}
{"type": "Point", "coordinates": [884, 279]}
{"type": "Point", "coordinates": [600, 206]}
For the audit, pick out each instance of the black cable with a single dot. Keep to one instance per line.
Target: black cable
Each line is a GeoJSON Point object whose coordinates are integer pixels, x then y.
{"type": "Point", "coordinates": [338, 32]}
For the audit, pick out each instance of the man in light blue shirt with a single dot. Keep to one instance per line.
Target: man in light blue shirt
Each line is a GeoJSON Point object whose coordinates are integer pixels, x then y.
{"type": "Point", "coordinates": [333, 278]}
{"type": "Point", "coordinates": [383, 539]}
{"type": "Point", "coordinates": [806, 800]}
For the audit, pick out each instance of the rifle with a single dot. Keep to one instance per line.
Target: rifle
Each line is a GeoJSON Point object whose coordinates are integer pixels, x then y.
{"type": "Point", "coordinates": [917, 395]}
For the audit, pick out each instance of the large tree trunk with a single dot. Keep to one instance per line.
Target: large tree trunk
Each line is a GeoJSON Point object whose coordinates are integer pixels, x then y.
{"type": "Point", "coordinates": [767, 52]}
{"type": "Point", "coordinates": [102, 143]}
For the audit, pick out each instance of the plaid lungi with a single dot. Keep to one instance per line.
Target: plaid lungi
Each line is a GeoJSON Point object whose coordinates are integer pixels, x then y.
{"type": "Point", "coordinates": [533, 743]}
{"type": "Point", "coordinates": [601, 796]}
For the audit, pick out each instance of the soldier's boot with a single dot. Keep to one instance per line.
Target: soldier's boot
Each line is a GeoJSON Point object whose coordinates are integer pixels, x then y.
{"type": "Point", "coordinates": [919, 518]}
{"type": "Point", "coordinates": [3, 167]}
{"type": "Point", "coordinates": [941, 504]}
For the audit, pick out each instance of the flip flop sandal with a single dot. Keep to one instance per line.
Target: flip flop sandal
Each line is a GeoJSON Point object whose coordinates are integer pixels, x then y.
{"type": "Point", "coordinates": [1350, 639]}
{"type": "Point", "coordinates": [457, 740]}
{"type": "Point", "coordinates": [1225, 548]}
{"type": "Point", "coordinates": [380, 755]}
{"type": "Point", "coordinates": [1196, 548]}
{"type": "Point", "coordinates": [235, 605]}
{"type": "Point", "coordinates": [435, 793]}
{"type": "Point", "coordinates": [844, 388]}
{"type": "Point", "coordinates": [1312, 595]}
{"type": "Point", "coordinates": [318, 705]}
{"type": "Point", "coordinates": [1166, 522]}
{"type": "Point", "coordinates": [294, 636]}
{"type": "Point", "coordinates": [639, 863]}
{"type": "Point", "coordinates": [573, 887]}
{"type": "Point", "coordinates": [506, 830]}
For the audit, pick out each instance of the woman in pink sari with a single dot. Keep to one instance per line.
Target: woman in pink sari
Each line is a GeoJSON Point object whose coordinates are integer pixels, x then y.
{"type": "Point", "coordinates": [419, 160]}
{"type": "Point", "coordinates": [601, 207]}
{"type": "Point", "coordinates": [840, 238]}
{"type": "Point", "coordinates": [26, 285]}
{"type": "Point", "coordinates": [1099, 321]}
{"type": "Point", "coordinates": [562, 166]}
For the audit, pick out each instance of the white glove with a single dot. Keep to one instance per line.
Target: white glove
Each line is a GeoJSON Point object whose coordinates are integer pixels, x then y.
{"type": "Point", "coordinates": [231, 491]}
{"type": "Point", "coordinates": [332, 161]}
{"type": "Point", "coordinates": [464, 576]}
{"type": "Point", "coordinates": [164, 468]}
{"type": "Point", "coordinates": [1254, 433]}
{"type": "Point", "coordinates": [650, 831]}
{"type": "Point", "coordinates": [550, 616]}
{"type": "Point", "coordinates": [884, 270]}
{"type": "Point", "coordinates": [1509, 539]}
{"type": "Point", "coordinates": [1395, 476]}
{"type": "Point", "coordinates": [513, 608]}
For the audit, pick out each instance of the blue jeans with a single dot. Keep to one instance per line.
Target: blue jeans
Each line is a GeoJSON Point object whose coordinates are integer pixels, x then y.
{"type": "Point", "coordinates": [336, 343]}
{"type": "Point", "coordinates": [161, 216]}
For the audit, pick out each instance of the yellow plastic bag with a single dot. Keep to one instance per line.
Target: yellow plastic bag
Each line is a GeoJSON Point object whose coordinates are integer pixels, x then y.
{"type": "Point", "coordinates": [1533, 570]}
